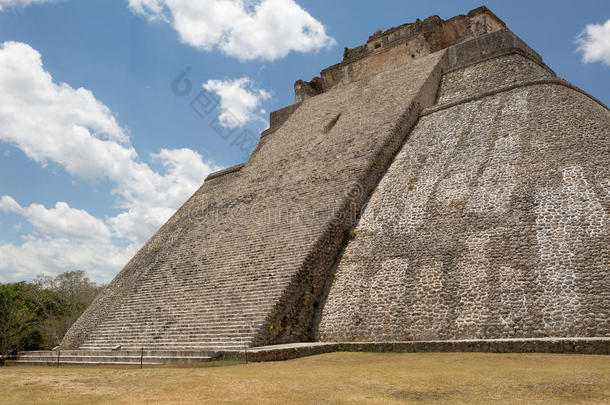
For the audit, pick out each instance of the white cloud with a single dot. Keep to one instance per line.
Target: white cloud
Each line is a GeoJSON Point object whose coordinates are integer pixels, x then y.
{"type": "Point", "coordinates": [245, 29]}
{"type": "Point", "coordinates": [594, 43]}
{"type": "Point", "coordinates": [65, 239]}
{"type": "Point", "coordinates": [55, 123]}
{"type": "Point", "coordinates": [238, 101]}
{"type": "Point", "coordinates": [61, 221]}
{"type": "Point", "coordinates": [8, 204]}
{"type": "Point", "coordinates": [20, 3]}
{"type": "Point", "coordinates": [37, 255]}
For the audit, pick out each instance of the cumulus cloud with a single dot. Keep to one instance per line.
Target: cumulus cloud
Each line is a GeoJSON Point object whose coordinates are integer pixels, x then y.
{"type": "Point", "coordinates": [238, 101]}
{"type": "Point", "coordinates": [20, 3]}
{"type": "Point", "coordinates": [53, 123]}
{"type": "Point", "coordinates": [245, 29]}
{"type": "Point", "coordinates": [62, 220]}
{"type": "Point", "coordinates": [37, 255]}
{"type": "Point", "coordinates": [594, 43]}
{"type": "Point", "coordinates": [8, 204]}
{"type": "Point", "coordinates": [65, 239]}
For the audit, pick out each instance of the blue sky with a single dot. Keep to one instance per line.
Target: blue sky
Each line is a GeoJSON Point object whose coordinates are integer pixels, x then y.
{"type": "Point", "coordinates": [72, 206]}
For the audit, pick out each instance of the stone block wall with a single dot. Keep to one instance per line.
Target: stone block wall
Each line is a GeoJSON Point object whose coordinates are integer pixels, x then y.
{"type": "Point", "coordinates": [492, 222]}
{"type": "Point", "coordinates": [498, 72]}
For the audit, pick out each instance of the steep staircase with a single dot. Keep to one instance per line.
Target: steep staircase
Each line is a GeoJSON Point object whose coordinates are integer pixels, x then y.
{"type": "Point", "coordinates": [156, 317]}
{"type": "Point", "coordinates": [229, 279]}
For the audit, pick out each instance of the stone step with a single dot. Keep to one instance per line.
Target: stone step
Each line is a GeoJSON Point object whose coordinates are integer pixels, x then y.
{"type": "Point", "coordinates": [190, 327]}
{"type": "Point", "coordinates": [229, 290]}
{"type": "Point", "coordinates": [128, 353]}
{"type": "Point", "coordinates": [218, 281]}
{"type": "Point", "coordinates": [80, 363]}
{"type": "Point", "coordinates": [157, 324]}
{"type": "Point", "coordinates": [211, 313]}
{"type": "Point", "coordinates": [136, 339]}
{"type": "Point", "coordinates": [230, 326]}
{"type": "Point", "coordinates": [177, 346]}
{"type": "Point", "coordinates": [115, 359]}
{"type": "Point", "coordinates": [152, 332]}
{"type": "Point", "coordinates": [203, 321]}
{"type": "Point", "coordinates": [118, 340]}
{"type": "Point", "coordinates": [195, 310]}
{"type": "Point", "coordinates": [160, 302]}
{"type": "Point", "coordinates": [256, 297]}
{"type": "Point", "coordinates": [227, 331]}
{"type": "Point", "coordinates": [193, 305]}
{"type": "Point", "coordinates": [151, 337]}
{"type": "Point", "coordinates": [221, 285]}
{"type": "Point", "coordinates": [187, 318]}
{"type": "Point", "coordinates": [219, 299]}
{"type": "Point", "coordinates": [189, 308]}
{"type": "Point", "coordinates": [150, 344]}
{"type": "Point", "coordinates": [181, 323]}
{"type": "Point", "coordinates": [179, 334]}
{"type": "Point", "coordinates": [105, 334]}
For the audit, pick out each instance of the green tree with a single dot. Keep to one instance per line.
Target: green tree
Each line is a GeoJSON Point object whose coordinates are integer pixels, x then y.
{"type": "Point", "coordinates": [62, 300]}
{"type": "Point", "coordinates": [18, 319]}
{"type": "Point", "coordinates": [37, 315]}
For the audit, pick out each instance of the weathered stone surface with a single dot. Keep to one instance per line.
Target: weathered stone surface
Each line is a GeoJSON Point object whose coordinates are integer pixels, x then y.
{"type": "Point", "coordinates": [492, 221]}
{"type": "Point", "coordinates": [244, 261]}
{"type": "Point", "coordinates": [494, 73]}
{"type": "Point", "coordinates": [399, 45]}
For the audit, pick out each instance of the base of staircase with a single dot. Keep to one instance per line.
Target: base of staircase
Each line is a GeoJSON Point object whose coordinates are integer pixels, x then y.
{"type": "Point", "coordinates": [110, 358]}
{"type": "Point", "coordinates": [151, 357]}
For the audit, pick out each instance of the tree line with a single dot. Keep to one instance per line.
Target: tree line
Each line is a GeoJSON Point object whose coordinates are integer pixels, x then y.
{"type": "Point", "coordinates": [36, 315]}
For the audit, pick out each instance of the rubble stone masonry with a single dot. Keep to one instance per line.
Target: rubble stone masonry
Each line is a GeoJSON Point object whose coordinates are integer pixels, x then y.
{"type": "Point", "coordinates": [492, 222]}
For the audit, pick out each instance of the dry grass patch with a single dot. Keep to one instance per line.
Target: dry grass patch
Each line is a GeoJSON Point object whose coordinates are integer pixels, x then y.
{"type": "Point", "coordinates": [329, 378]}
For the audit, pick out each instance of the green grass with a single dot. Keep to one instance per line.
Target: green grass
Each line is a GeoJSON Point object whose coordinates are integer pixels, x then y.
{"type": "Point", "coordinates": [378, 378]}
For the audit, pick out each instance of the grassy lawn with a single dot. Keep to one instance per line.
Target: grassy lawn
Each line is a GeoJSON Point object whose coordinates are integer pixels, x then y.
{"type": "Point", "coordinates": [329, 378]}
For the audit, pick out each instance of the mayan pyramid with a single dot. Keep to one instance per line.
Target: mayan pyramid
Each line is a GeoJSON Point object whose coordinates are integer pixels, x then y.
{"type": "Point", "coordinates": [439, 183]}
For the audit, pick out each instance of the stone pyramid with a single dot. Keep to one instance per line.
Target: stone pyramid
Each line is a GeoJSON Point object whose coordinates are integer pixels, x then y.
{"type": "Point", "coordinates": [439, 183]}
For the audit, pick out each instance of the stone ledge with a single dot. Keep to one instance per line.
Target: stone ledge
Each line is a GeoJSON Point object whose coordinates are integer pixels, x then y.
{"type": "Point", "coordinates": [582, 345]}
{"type": "Point", "coordinates": [497, 54]}
{"type": "Point", "coordinates": [278, 117]}
{"type": "Point", "coordinates": [525, 345]}
{"type": "Point", "coordinates": [485, 46]}
{"type": "Point", "coordinates": [222, 172]}
{"type": "Point", "coordinates": [502, 89]}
